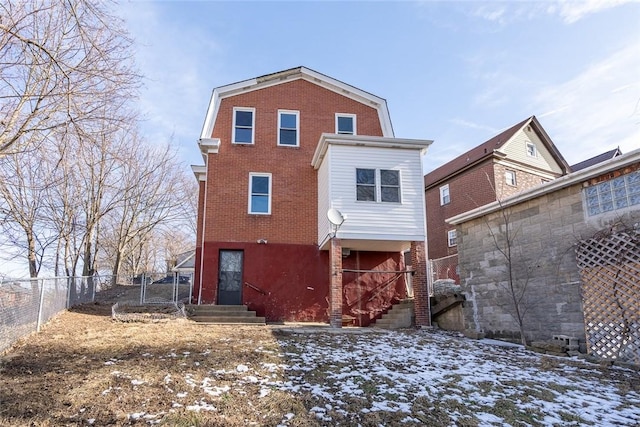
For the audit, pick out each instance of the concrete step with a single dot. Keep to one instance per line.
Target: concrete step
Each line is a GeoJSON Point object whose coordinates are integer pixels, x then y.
{"type": "Point", "coordinates": [399, 316]}
{"type": "Point", "coordinates": [229, 320]}
{"type": "Point", "coordinates": [234, 314]}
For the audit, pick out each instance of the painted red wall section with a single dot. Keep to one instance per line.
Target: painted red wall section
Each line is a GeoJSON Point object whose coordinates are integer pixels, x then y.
{"type": "Point", "coordinates": [366, 296]}
{"type": "Point", "coordinates": [295, 279]}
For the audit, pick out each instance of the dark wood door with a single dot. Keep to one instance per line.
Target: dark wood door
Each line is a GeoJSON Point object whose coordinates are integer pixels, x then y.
{"type": "Point", "coordinates": [230, 278]}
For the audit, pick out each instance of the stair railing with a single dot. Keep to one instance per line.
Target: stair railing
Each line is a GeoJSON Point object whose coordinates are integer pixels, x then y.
{"type": "Point", "coordinates": [256, 288]}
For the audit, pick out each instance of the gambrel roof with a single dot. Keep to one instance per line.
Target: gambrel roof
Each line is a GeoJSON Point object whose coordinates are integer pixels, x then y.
{"type": "Point", "coordinates": [286, 76]}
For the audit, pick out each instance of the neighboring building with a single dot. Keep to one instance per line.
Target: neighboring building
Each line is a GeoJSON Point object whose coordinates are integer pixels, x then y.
{"type": "Point", "coordinates": [519, 158]}
{"type": "Point", "coordinates": [596, 159]}
{"type": "Point", "coordinates": [281, 150]}
{"type": "Point", "coordinates": [546, 223]}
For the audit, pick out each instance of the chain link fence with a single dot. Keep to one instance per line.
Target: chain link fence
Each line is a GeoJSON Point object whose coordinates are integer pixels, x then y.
{"type": "Point", "coordinates": [26, 305]}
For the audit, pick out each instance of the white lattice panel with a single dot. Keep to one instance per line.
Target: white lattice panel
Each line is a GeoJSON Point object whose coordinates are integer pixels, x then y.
{"type": "Point", "coordinates": [610, 275]}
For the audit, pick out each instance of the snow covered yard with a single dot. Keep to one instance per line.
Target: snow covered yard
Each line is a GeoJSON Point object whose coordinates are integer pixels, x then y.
{"type": "Point", "coordinates": [85, 369]}
{"type": "Point", "coordinates": [438, 379]}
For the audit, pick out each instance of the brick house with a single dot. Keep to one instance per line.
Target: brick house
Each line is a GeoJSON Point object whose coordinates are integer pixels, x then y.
{"type": "Point", "coordinates": [547, 225]}
{"type": "Point", "coordinates": [280, 150]}
{"type": "Point", "coordinates": [518, 158]}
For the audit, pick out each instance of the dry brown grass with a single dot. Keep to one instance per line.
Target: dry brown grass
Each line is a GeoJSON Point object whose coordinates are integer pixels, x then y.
{"type": "Point", "coordinates": [86, 369]}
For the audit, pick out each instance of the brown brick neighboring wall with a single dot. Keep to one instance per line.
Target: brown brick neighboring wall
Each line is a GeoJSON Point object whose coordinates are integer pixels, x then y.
{"type": "Point", "coordinates": [335, 303]}
{"type": "Point", "coordinates": [420, 288]}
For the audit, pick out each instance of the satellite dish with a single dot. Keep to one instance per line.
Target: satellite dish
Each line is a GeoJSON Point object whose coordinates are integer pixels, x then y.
{"type": "Point", "coordinates": [335, 217]}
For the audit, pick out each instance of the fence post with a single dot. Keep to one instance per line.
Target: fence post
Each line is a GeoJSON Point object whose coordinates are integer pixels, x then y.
{"type": "Point", "coordinates": [40, 305]}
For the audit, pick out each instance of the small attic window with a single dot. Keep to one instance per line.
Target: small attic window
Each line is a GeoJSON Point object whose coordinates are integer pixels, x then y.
{"type": "Point", "coordinates": [531, 149]}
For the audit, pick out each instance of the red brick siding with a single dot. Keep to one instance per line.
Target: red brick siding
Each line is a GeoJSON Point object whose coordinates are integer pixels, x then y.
{"type": "Point", "coordinates": [294, 186]}
{"type": "Point", "coordinates": [468, 190]}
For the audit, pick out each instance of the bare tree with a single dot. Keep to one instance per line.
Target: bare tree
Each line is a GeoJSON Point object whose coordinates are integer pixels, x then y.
{"type": "Point", "coordinates": [23, 183]}
{"type": "Point", "coordinates": [60, 63]}
{"type": "Point", "coordinates": [153, 195]}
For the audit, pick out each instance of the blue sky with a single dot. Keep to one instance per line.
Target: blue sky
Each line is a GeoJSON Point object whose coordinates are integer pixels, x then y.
{"type": "Point", "coordinates": [454, 72]}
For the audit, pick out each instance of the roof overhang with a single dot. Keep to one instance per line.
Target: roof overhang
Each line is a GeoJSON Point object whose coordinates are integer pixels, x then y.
{"type": "Point", "coordinates": [200, 172]}
{"type": "Point", "coordinates": [245, 86]}
{"type": "Point", "coordinates": [327, 139]}
{"type": "Point", "coordinates": [555, 185]}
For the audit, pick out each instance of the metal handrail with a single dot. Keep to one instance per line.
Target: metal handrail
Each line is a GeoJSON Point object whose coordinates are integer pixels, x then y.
{"type": "Point", "coordinates": [257, 289]}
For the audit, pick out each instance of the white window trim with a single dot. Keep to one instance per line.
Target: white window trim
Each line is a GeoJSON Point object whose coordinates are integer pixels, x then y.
{"type": "Point", "coordinates": [259, 174]}
{"type": "Point", "coordinates": [450, 238]}
{"type": "Point", "coordinates": [534, 149]}
{"type": "Point", "coordinates": [442, 190]}
{"type": "Point", "coordinates": [515, 177]}
{"type": "Point", "coordinates": [378, 186]}
{"type": "Point", "coordinates": [297, 114]}
{"type": "Point", "coordinates": [253, 125]}
{"type": "Point", "coordinates": [355, 122]}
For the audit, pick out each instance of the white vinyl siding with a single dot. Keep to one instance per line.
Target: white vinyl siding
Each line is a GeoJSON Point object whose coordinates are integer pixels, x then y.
{"type": "Point", "coordinates": [381, 221]}
{"type": "Point", "coordinates": [324, 200]}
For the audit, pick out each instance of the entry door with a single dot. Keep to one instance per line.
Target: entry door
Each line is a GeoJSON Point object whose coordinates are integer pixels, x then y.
{"type": "Point", "coordinates": [230, 278]}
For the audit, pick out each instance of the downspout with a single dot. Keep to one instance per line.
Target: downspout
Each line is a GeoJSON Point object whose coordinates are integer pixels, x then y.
{"type": "Point", "coordinates": [204, 222]}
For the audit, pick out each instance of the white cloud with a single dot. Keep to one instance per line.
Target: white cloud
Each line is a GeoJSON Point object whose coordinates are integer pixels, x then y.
{"type": "Point", "coordinates": [473, 125]}
{"type": "Point", "coordinates": [596, 110]}
{"type": "Point", "coordinates": [177, 87]}
{"type": "Point", "coordinates": [573, 11]}
{"type": "Point", "coordinates": [570, 11]}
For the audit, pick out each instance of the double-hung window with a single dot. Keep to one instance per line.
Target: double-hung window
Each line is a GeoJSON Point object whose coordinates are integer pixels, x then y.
{"type": "Point", "coordinates": [288, 128]}
{"type": "Point", "coordinates": [345, 124]}
{"type": "Point", "coordinates": [445, 198]}
{"type": "Point", "coordinates": [510, 177]}
{"type": "Point", "coordinates": [243, 125]}
{"type": "Point", "coordinates": [260, 193]}
{"type": "Point", "coordinates": [452, 238]}
{"type": "Point", "coordinates": [389, 186]}
{"type": "Point", "coordinates": [378, 185]}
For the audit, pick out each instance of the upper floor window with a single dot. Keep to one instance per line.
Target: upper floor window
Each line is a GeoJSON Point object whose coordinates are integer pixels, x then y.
{"type": "Point", "coordinates": [288, 128]}
{"type": "Point", "coordinates": [445, 198]}
{"type": "Point", "coordinates": [378, 185]}
{"type": "Point", "coordinates": [452, 238]}
{"type": "Point", "coordinates": [243, 125]}
{"type": "Point", "coordinates": [612, 195]}
{"type": "Point", "coordinates": [510, 177]}
{"type": "Point", "coordinates": [346, 124]}
{"type": "Point", "coordinates": [531, 149]}
{"type": "Point", "coordinates": [260, 193]}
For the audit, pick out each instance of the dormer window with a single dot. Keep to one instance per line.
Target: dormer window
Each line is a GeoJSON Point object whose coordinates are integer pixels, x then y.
{"type": "Point", "coordinates": [531, 149]}
{"type": "Point", "coordinates": [345, 124]}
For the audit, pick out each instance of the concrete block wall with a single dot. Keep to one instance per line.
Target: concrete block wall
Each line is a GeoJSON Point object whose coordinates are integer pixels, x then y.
{"type": "Point", "coordinates": [544, 232]}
